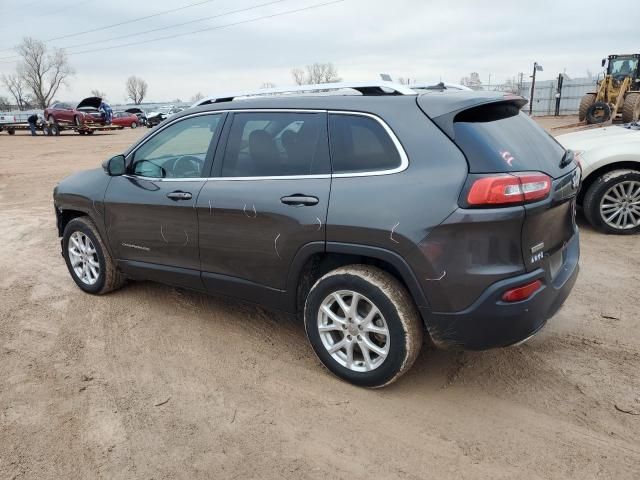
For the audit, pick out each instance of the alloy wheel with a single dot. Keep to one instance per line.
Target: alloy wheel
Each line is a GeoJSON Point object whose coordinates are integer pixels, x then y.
{"type": "Point", "coordinates": [620, 205]}
{"type": "Point", "coordinates": [84, 258]}
{"type": "Point", "coordinates": [353, 331]}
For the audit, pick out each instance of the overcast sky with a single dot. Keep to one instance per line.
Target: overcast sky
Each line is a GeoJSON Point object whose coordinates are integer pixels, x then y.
{"type": "Point", "coordinates": [424, 40]}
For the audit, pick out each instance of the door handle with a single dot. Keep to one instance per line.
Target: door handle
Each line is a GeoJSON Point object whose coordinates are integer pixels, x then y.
{"type": "Point", "coordinates": [178, 195]}
{"type": "Point", "coordinates": [299, 200]}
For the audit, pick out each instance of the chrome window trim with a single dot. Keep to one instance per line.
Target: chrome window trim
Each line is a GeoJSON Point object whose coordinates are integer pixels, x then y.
{"type": "Point", "coordinates": [404, 159]}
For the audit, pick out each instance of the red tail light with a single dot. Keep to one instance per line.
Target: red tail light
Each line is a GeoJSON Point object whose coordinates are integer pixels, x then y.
{"type": "Point", "coordinates": [521, 293]}
{"type": "Point", "coordinates": [509, 189]}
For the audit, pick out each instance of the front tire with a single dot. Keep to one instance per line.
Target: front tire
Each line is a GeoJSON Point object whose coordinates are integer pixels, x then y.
{"type": "Point", "coordinates": [134, 125]}
{"type": "Point", "coordinates": [371, 342]}
{"type": "Point", "coordinates": [612, 202]}
{"type": "Point", "coordinates": [631, 108]}
{"type": "Point", "coordinates": [87, 258]}
{"type": "Point", "coordinates": [585, 103]}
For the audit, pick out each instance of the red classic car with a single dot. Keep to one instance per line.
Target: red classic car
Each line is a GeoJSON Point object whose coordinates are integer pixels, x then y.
{"type": "Point", "coordinates": [85, 113]}
{"type": "Point", "coordinates": [125, 119]}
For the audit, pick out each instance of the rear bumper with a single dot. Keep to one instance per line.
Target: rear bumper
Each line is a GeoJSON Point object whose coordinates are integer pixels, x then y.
{"type": "Point", "coordinates": [489, 322]}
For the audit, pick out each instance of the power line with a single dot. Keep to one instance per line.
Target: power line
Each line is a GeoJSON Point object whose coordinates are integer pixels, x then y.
{"type": "Point", "coordinates": [263, 17]}
{"type": "Point", "coordinates": [126, 22]}
{"type": "Point", "coordinates": [120, 37]}
{"type": "Point", "coordinates": [240, 10]}
{"type": "Point", "coordinates": [217, 27]}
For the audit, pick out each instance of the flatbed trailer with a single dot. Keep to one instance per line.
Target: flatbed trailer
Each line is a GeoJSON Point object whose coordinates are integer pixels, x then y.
{"type": "Point", "coordinates": [11, 128]}
{"type": "Point", "coordinates": [52, 129]}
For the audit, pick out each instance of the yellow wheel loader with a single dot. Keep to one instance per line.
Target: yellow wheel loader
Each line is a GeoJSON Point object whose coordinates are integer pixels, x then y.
{"type": "Point", "coordinates": [618, 92]}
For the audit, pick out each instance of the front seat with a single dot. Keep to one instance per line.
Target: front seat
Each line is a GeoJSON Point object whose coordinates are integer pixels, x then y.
{"type": "Point", "coordinates": [264, 153]}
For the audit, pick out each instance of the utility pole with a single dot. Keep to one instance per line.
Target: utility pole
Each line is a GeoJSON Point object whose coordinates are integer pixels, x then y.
{"type": "Point", "coordinates": [559, 94]}
{"type": "Point", "coordinates": [536, 68]}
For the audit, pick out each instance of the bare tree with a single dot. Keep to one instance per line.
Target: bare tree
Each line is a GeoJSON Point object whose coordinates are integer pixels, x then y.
{"type": "Point", "coordinates": [298, 76]}
{"type": "Point", "coordinates": [404, 81]}
{"type": "Point", "coordinates": [268, 85]}
{"type": "Point", "coordinates": [18, 89]}
{"type": "Point", "coordinates": [315, 73]}
{"type": "Point", "coordinates": [136, 89]}
{"type": "Point", "coordinates": [42, 70]}
{"type": "Point", "coordinates": [4, 104]}
{"type": "Point", "coordinates": [97, 93]}
{"type": "Point", "coordinates": [197, 96]}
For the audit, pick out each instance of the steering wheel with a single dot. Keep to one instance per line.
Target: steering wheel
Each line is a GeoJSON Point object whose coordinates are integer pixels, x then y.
{"type": "Point", "coordinates": [187, 166]}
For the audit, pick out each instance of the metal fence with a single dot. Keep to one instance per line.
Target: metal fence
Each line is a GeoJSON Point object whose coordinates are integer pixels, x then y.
{"type": "Point", "coordinates": [544, 96]}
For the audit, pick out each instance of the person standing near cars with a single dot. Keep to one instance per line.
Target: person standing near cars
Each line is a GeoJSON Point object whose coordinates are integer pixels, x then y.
{"type": "Point", "coordinates": [107, 112]}
{"type": "Point", "coordinates": [33, 123]}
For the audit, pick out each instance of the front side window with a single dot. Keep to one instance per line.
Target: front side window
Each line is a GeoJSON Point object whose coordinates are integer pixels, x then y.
{"type": "Point", "coordinates": [178, 151]}
{"type": "Point", "coordinates": [276, 144]}
{"type": "Point", "coordinates": [360, 144]}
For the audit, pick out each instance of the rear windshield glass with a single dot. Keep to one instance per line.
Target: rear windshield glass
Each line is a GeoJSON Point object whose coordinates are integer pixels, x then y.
{"type": "Point", "coordinates": [500, 138]}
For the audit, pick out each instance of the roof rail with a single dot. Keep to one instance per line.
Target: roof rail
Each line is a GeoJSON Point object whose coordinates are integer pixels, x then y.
{"type": "Point", "coordinates": [377, 87]}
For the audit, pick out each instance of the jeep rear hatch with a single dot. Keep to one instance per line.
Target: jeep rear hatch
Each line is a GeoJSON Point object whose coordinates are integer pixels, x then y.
{"type": "Point", "coordinates": [512, 162]}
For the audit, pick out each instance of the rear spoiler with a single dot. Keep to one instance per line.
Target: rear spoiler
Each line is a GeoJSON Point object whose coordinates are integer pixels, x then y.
{"type": "Point", "coordinates": [443, 108]}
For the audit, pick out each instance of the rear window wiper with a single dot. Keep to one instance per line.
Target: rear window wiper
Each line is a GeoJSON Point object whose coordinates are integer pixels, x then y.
{"type": "Point", "coordinates": [567, 158]}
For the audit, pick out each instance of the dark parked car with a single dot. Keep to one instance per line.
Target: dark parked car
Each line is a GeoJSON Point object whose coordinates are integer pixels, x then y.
{"type": "Point", "coordinates": [377, 217]}
{"type": "Point", "coordinates": [138, 112]}
{"type": "Point", "coordinates": [86, 113]}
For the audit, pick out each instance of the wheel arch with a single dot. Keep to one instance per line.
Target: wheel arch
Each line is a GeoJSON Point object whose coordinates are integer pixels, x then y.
{"type": "Point", "coordinates": [65, 215]}
{"type": "Point", "coordinates": [315, 259]}
{"type": "Point", "coordinates": [604, 169]}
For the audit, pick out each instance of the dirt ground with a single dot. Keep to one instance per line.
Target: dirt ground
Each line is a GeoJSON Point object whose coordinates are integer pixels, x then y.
{"type": "Point", "coordinates": [152, 382]}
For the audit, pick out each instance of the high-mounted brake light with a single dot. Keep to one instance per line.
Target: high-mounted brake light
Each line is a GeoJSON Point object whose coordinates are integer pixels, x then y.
{"type": "Point", "coordinates": [507, 189]}
{"type": "Point", "coordinates": [521, 293]}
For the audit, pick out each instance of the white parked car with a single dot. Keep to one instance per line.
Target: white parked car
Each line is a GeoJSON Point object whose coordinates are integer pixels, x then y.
{"type": "Point", "coordinates": [610, 160]}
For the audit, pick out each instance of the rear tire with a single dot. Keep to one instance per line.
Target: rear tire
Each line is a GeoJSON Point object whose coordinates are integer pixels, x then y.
{"type": "Point", "coordinates": [598, 113]}
{"type": "Point", "coordinates": [381, 336]}
{"type": "Point", "coordinates": [605, 196]}
{"type": "Point", "coordinates": [92, 252]}
{"type": "Point", "coordinates": [631, 108]}
{"type": "Point", "coordinates": [586, 102]}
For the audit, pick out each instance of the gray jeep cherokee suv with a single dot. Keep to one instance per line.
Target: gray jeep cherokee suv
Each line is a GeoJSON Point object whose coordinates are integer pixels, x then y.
{"type": "Point", "coordinates": [377, 216]}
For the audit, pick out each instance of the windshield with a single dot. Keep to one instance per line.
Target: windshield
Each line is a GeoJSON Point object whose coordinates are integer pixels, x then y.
{"type": "Point", "coordinates": [623, 67]}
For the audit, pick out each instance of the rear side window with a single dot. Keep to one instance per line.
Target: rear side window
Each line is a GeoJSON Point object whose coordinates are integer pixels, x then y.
{"type": "Point", "coordinates": [276, 144]}
{"type": "Point", "coordinates": [360, 144]}
{"type": "Point", "coordinates": [499, 138]}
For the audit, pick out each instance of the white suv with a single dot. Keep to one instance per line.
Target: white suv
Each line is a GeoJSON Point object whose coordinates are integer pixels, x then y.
{"type": "Point", "coordinates": [610, 160]}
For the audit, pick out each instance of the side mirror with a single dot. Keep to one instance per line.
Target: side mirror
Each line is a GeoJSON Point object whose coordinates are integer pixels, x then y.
{"type": "Point", "coordinates": [115, 166]}
{"type": "Point", "coordinates": [604, 62]}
